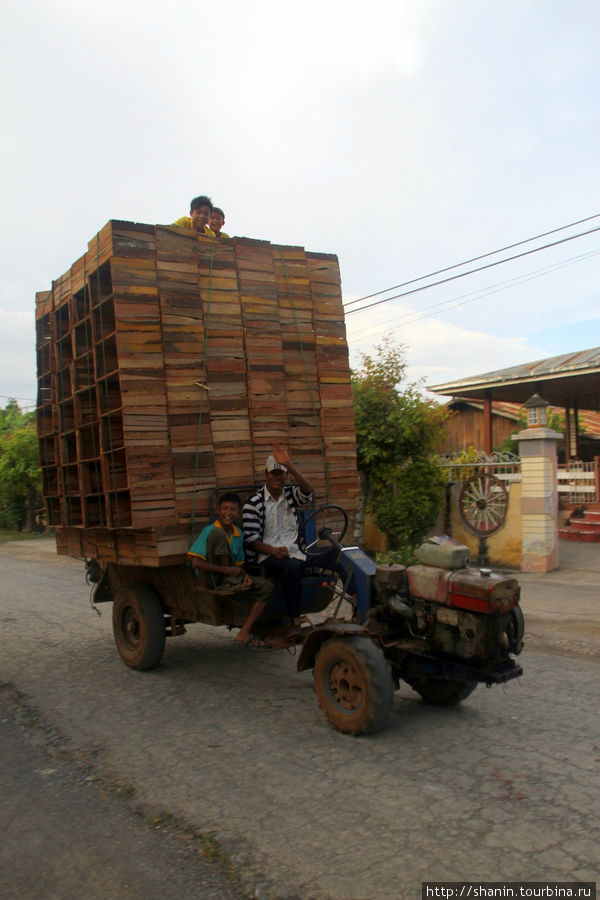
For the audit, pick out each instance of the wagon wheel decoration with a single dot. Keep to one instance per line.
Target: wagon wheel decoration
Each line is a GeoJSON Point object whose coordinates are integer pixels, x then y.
{"type": "Point", "coordinates": [483, 502]}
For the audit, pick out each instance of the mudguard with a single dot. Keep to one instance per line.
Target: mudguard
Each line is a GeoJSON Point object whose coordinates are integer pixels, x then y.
{"type": "Point", "coordinates": [322, 633]}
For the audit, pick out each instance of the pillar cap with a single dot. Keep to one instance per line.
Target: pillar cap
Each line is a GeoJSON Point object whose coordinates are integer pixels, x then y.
{"type": "Point", "coordinates": [538, 434]}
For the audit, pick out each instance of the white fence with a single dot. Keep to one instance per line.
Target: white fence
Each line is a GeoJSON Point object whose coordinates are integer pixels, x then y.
{"type": "Point", "coordinates": [577, 482]}
{"type": "Point", "coordinates": [462, 466]}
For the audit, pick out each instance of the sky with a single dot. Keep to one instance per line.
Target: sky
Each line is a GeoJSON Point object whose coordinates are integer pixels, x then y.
{"type": "Point", "coordinates": [403, 136]}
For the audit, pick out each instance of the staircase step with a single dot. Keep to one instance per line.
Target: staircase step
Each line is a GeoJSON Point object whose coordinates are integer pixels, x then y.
{"type": "Point", "coordinates": [569, 534]}
{"type": "Point", "coordinates": [584, 524]}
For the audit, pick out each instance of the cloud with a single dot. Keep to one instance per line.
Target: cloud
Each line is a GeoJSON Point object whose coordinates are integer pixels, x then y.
{"type": "Point", "coordinates": [439, 351]}
{"type": "Point", "coordinates": [404, 137]}
{"type": "Point", "coordinates": [17, 360]}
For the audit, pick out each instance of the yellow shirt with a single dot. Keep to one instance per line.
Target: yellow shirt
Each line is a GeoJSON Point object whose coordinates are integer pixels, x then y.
{"type": "Point", "coordinates": [186, 222]}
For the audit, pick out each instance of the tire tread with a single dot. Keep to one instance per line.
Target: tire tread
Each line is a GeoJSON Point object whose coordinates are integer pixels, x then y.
{"type": "Point", "coordinates": [380, 688]}
{"type": "Point", "coordinates": [150, 611]}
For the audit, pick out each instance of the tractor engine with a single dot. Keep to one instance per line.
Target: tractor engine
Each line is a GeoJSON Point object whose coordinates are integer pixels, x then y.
{"type": "Point", "coordinates": [466, 613]}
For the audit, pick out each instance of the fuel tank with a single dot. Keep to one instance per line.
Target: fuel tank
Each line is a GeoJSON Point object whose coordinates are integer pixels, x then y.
{"type": "Point", "coordinates": [476, 590]}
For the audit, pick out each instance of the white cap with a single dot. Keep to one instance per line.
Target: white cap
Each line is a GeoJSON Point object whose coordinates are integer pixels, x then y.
{"type": "Point", "coordinates": [272, 464]}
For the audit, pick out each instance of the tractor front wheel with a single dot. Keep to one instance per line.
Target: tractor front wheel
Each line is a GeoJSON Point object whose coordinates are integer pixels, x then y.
{"type": "Point", "coordinates": [353, 683]}
{"type": "Point", "coordinates": [139, 626]}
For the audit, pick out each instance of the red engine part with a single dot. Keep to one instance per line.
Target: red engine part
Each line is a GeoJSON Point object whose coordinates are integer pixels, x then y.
{"type": "Point", "coordinates": [477, 590]}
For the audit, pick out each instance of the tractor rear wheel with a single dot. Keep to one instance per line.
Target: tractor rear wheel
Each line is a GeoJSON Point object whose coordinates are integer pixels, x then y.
{"type": "Point", "coordinates": [444, 693]}
{"type": "Point", "coordinates": [139, 626]}
{"type": "Point", "coordinates": [353, 683]}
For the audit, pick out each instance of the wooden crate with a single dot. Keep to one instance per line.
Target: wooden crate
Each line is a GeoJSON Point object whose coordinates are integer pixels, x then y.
{"type": "Point", "coordinates": [168, 363]}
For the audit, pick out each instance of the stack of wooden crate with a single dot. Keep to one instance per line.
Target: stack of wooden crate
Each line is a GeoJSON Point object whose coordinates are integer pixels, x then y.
{"type": "Point", "coordinates": [168, 364]}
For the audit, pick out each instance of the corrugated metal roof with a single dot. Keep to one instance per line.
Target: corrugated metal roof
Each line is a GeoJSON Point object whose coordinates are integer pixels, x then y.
{"type": "Point", "coordinates": [561, 380]}
{"type": "Point", "coordinates": [554, 365]}
{"type": "Point", "coordinates": [590, 421]}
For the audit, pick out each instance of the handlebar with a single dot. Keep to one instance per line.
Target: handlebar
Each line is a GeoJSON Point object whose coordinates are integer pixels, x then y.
{"type": "Point", "coordinates": [326, 534]}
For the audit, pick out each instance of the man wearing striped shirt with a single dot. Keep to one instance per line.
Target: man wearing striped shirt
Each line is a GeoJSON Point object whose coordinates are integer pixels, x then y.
{"type": "Point", "coordinates": [272, 534]}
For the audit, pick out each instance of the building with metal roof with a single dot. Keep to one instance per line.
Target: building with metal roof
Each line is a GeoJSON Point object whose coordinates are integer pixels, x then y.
{"type": "Point", "coordinates": [465, 426]}
{"type": "Point", "coordinates": [571, 381]}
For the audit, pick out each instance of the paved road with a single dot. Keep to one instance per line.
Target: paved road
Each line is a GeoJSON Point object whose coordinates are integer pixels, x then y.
{"type": "Point", "coordinates": [504, 787]}
{"type": "Point", "coordinates": [65, 834]}
{"type": "Point", "coordinates": [562, 607]}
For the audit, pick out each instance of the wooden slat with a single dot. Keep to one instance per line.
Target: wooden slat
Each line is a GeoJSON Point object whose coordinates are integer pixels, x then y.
{"type": "Point", "coordinates": [194, 357]}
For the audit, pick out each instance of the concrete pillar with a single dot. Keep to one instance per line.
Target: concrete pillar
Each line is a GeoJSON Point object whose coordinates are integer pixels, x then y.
{"type": "Point", "coordinates": [539, 498]}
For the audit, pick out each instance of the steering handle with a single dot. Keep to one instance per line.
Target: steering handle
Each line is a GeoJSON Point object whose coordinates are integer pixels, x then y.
{"type": "Point", "coordinates": [326, 534]}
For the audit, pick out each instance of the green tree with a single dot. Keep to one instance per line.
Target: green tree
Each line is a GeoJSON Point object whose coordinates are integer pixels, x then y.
{"type": "Point", "coordinates": [398, 431]}
{"type": "Point", "coordinates": [11, 417]}
{"type": "Point", "coordinates": [20, 476]}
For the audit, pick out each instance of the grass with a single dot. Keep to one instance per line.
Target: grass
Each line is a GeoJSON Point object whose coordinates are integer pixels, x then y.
{"type": "Point", "coordinates": [8, 534]}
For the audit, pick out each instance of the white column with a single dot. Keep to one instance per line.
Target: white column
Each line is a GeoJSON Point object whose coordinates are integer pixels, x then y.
{"type": "Point", "coordinates": [539, 498]}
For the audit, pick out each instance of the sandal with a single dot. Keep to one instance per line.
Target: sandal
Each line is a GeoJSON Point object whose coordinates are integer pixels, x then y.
{"type": "Point", "coordinates": [253, 642]}
{"type": "Point", "coordinates": [258, 643]}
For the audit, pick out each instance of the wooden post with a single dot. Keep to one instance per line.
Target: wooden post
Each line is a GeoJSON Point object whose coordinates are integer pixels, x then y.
{"type": "Point", "coordinates": [487, 422]}
{"type": "Point", "coordinates": [576, 428]}
{"type": "Point", "coordinates": [567, 435]}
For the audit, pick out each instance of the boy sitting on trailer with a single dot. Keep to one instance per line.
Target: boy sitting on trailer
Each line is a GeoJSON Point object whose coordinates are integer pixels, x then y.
{"type": "Point", "coordinates": [200, 212]}
{"type": "Point", "coordinates": [219, 551]}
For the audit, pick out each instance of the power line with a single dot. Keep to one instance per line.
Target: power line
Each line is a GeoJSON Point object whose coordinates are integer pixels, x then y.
{"type": "Point", "coordinates": [473, 259]}
{"type": "Point", "coordinates": [472, 271]}
{"type": "Point", "coordinates": [405, 318]}
{"type": "Point", "coordinates": [414, 314]}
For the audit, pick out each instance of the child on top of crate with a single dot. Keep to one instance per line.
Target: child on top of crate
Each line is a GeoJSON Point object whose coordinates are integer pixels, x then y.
{"type": "Point", "coordinates": [217, 220]}
{"type": "Point", "coordinates": [200, 212]}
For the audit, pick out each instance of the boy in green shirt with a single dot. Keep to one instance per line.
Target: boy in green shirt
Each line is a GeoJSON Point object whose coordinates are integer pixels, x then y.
{"type": "Point", "coordinates": [219, 551]}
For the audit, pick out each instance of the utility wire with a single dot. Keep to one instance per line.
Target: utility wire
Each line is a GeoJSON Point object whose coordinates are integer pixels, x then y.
{"type": "Point", "coordinates": [405, 319]}
{"type": "Point", "coordinates": [472, 271]}
{"type": "Point", "coordinates": [414, 314]}
{"type": "Point", "coordinates": [466, 262]}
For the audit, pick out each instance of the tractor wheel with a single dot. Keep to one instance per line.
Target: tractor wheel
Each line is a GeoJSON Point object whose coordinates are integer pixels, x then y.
{"type": "Point", "coordinates": [444, 693]}
{"type": "Point", "coordinates": [139, 626]}
{"type": "Point", "coordinates": [353, 683]}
